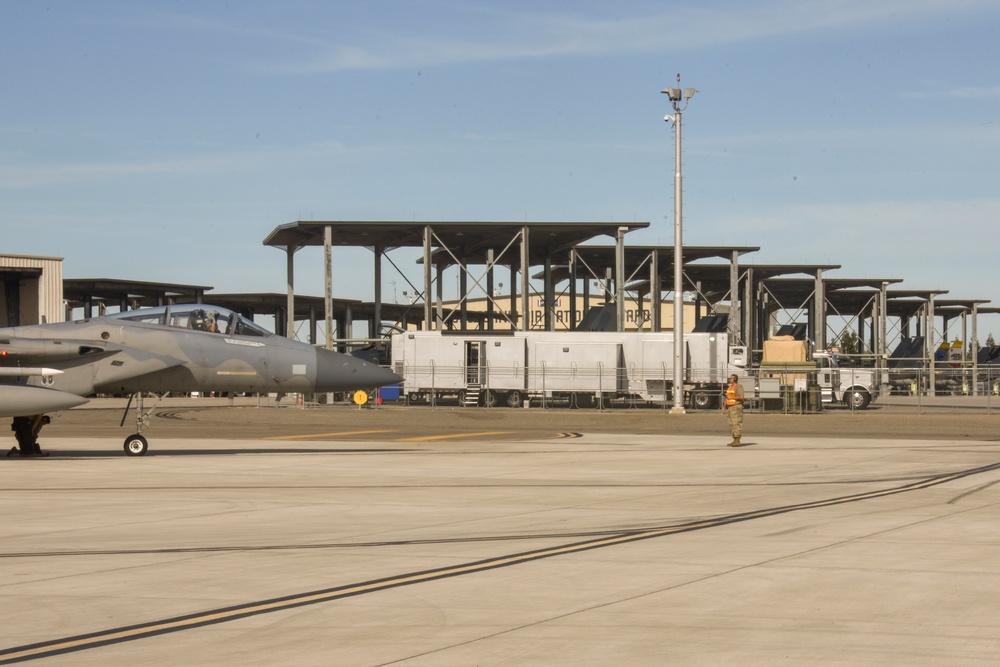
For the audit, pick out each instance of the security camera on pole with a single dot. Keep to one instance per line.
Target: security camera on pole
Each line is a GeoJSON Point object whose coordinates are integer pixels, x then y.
{"type": "Point", "coordinates": [676, 97]}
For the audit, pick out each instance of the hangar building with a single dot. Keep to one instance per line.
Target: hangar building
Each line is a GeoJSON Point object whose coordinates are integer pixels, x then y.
{"type": "Point", "coordinates": [32, 290]}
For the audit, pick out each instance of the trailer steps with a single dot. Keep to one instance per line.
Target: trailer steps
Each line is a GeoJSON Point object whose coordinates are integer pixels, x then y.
{"type": "Point", "coordinates": [470, 398]}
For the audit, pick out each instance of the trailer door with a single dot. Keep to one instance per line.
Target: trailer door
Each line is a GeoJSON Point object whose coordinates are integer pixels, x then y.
{"type": "Point", "coordinates": [473, 362]}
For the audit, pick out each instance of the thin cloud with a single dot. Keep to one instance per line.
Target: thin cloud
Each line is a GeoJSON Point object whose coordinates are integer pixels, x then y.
{"type": "Point", "coordinates": [31, 176]}
{"type": "Point", "coordinates": [23, 175]}
{"type": "Point", "coordinates": [975, 93]}
{"type": "Point", "coordinates": [521, 35]}
{"type": "Point", "coordinates": [915, 216]}
{"type": "Point", "coordinates": [934, 90]}
{"type": "Point", "coordinates": [857, 234]}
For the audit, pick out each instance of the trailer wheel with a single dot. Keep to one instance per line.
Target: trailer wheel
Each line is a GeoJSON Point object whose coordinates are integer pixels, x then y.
{"type": "Point", "coordinates": [490, 398]}
{"type": "Point", "coordinates": [857, 399]}
{"type": "Point", "coordinates": [514, 399]}
{"type": "Point", "coordinates": [702, 400]}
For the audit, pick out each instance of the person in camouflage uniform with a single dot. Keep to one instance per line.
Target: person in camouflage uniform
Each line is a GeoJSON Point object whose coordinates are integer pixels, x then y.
{"type": "Point", "coordinates": [733, 407]}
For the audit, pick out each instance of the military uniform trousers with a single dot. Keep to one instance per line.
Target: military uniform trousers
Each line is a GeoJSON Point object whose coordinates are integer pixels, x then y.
{"type": "Point", "coordinates": [735, 415]}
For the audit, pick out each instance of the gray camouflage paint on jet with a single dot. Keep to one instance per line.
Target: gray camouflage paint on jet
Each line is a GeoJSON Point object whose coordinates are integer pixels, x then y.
{"type": "Point", "coordinates": [178, 349]}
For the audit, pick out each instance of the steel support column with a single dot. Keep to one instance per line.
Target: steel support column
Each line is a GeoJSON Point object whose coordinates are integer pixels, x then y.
{"type": "Point", "coordinates": [819, 312]}
{"type": "Point", "coordinates": [290, 280]}
{"type": "Point", "coordinates": [377, 323]}
{"type": "Point", "coordinates": [490, 296]}
{"type": "Point", "coordinates": [735, 311]}
{"type": "Point", "coordinates": [439, 296]}
{"type": "Point", "coordinates": [573, 311]}
{"type": "Point", "coordinates": [525, 284]}
{"type": "Point", "coordinates": [327, 286]}
{"type": "Point", "coordinates": [974, 351]}
{"type": "Point", "coordinates": [549, 295]}
{"type": "Point", "coordinates": [655, 294]}
{"type": "Point", "coordinates": [427, 278]}
{"type": "Point", "coordinates": [932, 346]}
{"type": "Point", "coordinates": [620, 279]}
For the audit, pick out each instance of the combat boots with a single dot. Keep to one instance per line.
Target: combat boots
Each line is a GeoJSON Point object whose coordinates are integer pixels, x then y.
{"type": "Point", "coordinates": [735, 442]}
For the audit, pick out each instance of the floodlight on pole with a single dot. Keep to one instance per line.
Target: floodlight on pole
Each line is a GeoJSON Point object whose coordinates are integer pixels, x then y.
{"type": "Point", "coordinates": [676, 95]}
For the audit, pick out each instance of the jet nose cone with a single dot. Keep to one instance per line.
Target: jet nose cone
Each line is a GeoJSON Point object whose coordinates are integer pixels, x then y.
{"type": "Point", "coordinates": [376, 376]}
{"type": "Point", "coordinates": [340, 372]}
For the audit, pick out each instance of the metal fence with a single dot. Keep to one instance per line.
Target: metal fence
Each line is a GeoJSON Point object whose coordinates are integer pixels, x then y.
{"type": "Point", "coordinates": [943, 390]}
{"type": "Point", "coordinates": [793, 390]}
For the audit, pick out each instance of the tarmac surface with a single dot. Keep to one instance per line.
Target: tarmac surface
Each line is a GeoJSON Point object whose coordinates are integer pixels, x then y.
{"type": "Point", "coordinates": [415, 536]}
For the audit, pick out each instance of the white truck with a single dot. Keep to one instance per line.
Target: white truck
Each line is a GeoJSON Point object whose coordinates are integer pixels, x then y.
{"type": "Point", "coordinates": [792, 363]}
{"type": "Point", "coordinates": [841, 382]}
{"type": "Point", "coordinates": [583, 368]}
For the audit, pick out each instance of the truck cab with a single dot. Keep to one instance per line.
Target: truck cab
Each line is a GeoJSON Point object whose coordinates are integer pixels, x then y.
{"type": "Point", "coordinates": [841, 381]}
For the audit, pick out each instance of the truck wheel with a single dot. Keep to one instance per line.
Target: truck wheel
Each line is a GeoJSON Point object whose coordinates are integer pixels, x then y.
{"type": "Point", "coordinates": [702, 400]}
{"type": "Point", "coordinates": [514, 399]}
{"type": "Point", "coordinates": [857, 399]}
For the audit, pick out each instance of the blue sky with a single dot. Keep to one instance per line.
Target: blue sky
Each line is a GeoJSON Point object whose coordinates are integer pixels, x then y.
{"type": "Point", "coordinates": [163, 141]}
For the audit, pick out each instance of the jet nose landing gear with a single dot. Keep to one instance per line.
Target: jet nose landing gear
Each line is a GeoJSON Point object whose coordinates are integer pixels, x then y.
{"type": "Point", "coordinates": [136, 445]}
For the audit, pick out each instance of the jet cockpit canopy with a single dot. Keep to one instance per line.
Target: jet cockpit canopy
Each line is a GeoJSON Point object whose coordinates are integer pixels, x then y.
{"type": "Point", "coordinates": [197, 316]}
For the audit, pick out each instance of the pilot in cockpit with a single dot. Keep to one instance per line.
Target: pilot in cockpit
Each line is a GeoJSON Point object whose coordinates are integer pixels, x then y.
{"type": "Point", "coordinates": [198, 319]}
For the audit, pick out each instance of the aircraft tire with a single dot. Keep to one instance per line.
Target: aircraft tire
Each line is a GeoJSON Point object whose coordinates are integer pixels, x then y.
{"type": "Point", "coordinates": [136, 445]}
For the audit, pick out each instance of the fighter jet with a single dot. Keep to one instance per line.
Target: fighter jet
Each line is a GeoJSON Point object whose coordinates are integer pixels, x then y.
{"type": "Point", "coordinates": [168, 349]}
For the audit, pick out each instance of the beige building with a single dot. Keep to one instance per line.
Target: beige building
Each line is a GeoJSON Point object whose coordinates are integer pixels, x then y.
{"type": "Point", "coordinates": [637, 315]}
{"type": "Point", "coordinates": [32, 290]}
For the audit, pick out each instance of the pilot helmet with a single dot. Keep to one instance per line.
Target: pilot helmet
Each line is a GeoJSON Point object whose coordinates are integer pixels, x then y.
{"type": "Point", "coordinates": [197, 319]}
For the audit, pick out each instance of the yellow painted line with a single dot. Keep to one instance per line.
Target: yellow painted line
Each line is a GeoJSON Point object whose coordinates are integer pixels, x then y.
{"type": "Point", "coordinates": [328, 435]}
{"type": "Point", "coordinates": [425, 438]}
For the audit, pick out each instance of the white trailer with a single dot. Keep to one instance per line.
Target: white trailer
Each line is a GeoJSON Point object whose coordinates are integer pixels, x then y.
{"type": "Point", "coordinates": [580, 367]}
{"type": "Point", "coordinates": [435, 365]}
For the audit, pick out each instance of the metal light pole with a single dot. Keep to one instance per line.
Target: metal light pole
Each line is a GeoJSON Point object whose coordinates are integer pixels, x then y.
{"type": "Point", "coordinates": [676, 97]}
